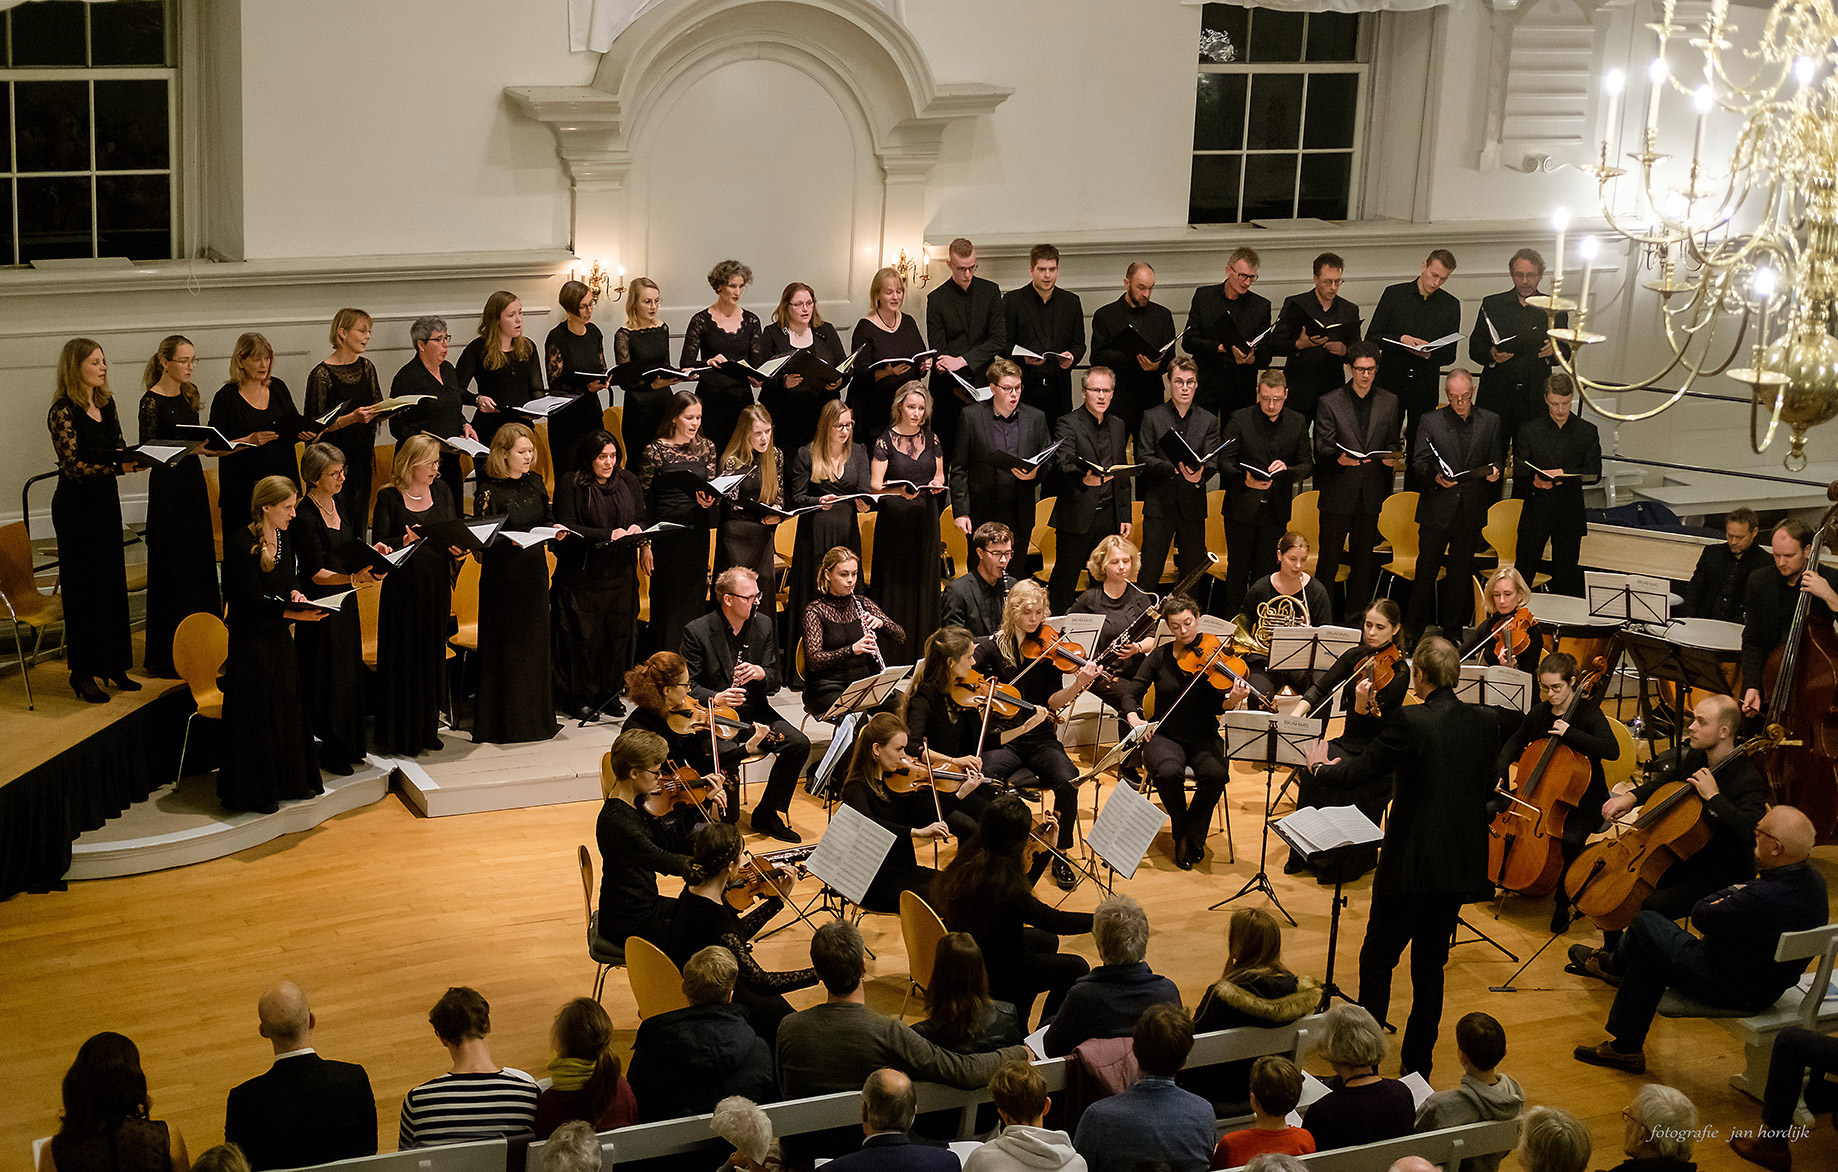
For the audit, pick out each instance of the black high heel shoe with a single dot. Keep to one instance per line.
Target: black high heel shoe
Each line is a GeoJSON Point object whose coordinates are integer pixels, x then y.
{"type": "Point", "coordinates": [123, 684]}
{"type": "Point", "coordinates": [86, 689]}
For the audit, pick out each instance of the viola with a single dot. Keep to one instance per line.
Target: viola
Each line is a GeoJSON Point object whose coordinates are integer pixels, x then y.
{"type": "Point", "coordinates": [679, 787]}
{"type": "Point", "coordinates": [1800, 680]}
{"type": "Point", "coordinates": [913, 774]}
{"type": "Point", "coordinates": [1224, 670]}
{"type": "Point", "coordinates": [770, 881]}
{"type": "Point", "coordinates": [1004, 700]}
{"type": "Point", "coordinates": [1062, 653]}
{"type": "Point", "coordinates": [1525, 844]}
{"type": "Point", "coordinates": [1513, 637]}
{"type": "Point", "coordinates": [726, 721]}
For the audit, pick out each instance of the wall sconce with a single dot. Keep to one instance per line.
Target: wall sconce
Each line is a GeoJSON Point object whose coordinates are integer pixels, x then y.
{"type": "Point", "coordinates": [915, 271]}
{"type": "Point", "coordinates": [598, 279]}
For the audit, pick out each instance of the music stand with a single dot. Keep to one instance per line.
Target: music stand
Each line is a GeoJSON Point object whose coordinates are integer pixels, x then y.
{"type": "Point", "coordinates": [1310, 649]}
{"type": "Point", "coordinates": [1687, 667]}
{"type": "Point", "coordinates": [867, 693]}
{"type": "Point", "coordinates": [1122, 831]}
{"type": "Point", "coordinates": [1293, 830]}
{"type": "Point", "coordinates": [849, 856]}
{"type": "Point", "coordinates": [1501, 687]}
{"type": "Point", "coordinates": [1629, 598]}
{"type": "Point", "coordinates": [1263, 738]}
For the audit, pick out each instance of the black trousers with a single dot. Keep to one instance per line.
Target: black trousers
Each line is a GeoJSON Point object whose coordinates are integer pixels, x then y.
{"type": "Point", "coordinates": [1657, 954]}
{"type": "Point", "coordinates": [1167, 761]}
{"type": "Point", "coordinates": [1358, 534]}
{"type": "Point", "coordinates": [1450, 548]}
{"type": "Point", "coordinates": [1565, 563]}
{"type": "Point", "coordinates": [1038, 761]}
{"type": "Point", "coordinates": [1187, 535]}
{"type": "Point", "coordinates": [1250, 554]}
{"type": "Point", "coordinates": [1796, 1051]}
{"type": "Point", "coordinates": [1425, 923]}
{"type": "Point", "coordinates": [788, 762]}
{"type": "Point", "coordinates": [1072, 550]}
{"type": "Point", "coordinates": [1044, 969]}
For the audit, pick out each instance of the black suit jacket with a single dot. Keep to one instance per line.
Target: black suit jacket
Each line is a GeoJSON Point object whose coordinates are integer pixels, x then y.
{"type": "Point", "coordinates": [974, 480]}
{"type": "Point", "coordinates": [967, 324]}
{"type": "Point", "coordinates": [897, 1153]}
{"type": "Point", "coordinates": [711, 661]}
{"type": "Point", "coordinates": [1464, 445]}
{"type": "Point", "coordinates": [1165, 492]}
{"type": "Point", "coordinates": [1262, 443]}
{"type": "Point", "coordinates": [1576, 447]}
{"type": "Point", "coordinates": [1440, 755]}
{"type": "Point", "coordinates": [1076, 508]}
{"type": "Point", "coordinates": [1347, 490]}
{"type": "Point", "coordinates": [305, 1110]}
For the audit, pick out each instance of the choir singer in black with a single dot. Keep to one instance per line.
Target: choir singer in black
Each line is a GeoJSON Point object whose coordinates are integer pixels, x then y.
{"type": "Point", "coordinates": [1261, 470]}
{"type": "Point", "coordinates": [1223, 322]}
{"type": "Point", "coordinates": [1090, 506]}
{"type": "Point", "coordinates": [985, 484]}
{"type": "Point", "coordinates": [1457, 457]}
{"type": "Point", "coordinates": [964, 322]}
{"type": "Point", "coordinates": [1046, 334]}
{"type": "Point", "coordinates": [1315, 329]}
{"type": "Point", "coordinates": [1555, 454]}
{"type": "Point", "coordinates": [1132, 337]}
{"type": "Point", "coordinates": [1174, 491]}
{"type": "Point", "coordinates": [1356, 430]}
{"type": "Point", "coordinates": [1409, 316]}
{"type": "Point", "coordinates": [1511, 343]}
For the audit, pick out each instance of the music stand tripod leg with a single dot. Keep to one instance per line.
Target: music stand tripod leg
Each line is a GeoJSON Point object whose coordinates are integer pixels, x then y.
{"type": "Point", "coordinates": [1330, 990]}
{"type": "Point", "coordinates": [1480, 938]}
{"type": "Point", "coordinates": [1261, 880]}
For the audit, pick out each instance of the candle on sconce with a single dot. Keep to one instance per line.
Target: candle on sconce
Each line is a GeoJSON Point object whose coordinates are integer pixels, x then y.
{"type": "Point", "coordinates": [1587, 249]}
{"type": "Point", "coordinates": [1613, 84]}
{"type": "Point", "coordinates": [1560, 219]}
{"type": "Point", "coordinates": [1704, 100]}
{"type": "Point", "coordinates": [1656, 83]}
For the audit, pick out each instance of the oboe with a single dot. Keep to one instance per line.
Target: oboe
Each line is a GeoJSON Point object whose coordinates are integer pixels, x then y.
{"type": "Point", "coordinates": [861, 616]}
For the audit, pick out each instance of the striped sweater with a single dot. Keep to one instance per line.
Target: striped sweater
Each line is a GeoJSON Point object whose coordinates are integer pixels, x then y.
{"type": "Point", "coordinates": [459, 1108]}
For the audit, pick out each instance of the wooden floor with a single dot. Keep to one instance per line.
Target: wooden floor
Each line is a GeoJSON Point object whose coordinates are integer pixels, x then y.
{"type": "Point", "coordinates": [379, 910]}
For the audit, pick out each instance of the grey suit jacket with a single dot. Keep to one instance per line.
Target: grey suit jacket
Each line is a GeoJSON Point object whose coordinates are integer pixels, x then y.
{"type": "Point", "coordinates": [974, 480]}
{"type": "Point", "coordinates": [1344, 490]}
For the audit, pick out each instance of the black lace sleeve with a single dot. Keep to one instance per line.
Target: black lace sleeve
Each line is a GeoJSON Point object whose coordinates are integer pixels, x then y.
{"type": "Point", "coordinates": [73, 462]}
{"type": "Point", "coordinates": [149, 419]}
{"type": "Point", "coordinates": [622, 346]}
{"type": "Point", "coordinates": [692, 339]}
{"type": "Point", "coordinates": [320, 395]}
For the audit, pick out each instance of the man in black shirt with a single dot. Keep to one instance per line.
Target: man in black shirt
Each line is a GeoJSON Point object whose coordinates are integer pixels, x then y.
{"type": "Point", "coordinates": [1457, 457]}
{"type": "Point", "coordinates": [964, 323]}
{"type": "Point", "coordinates": [1049, 323]}
{"type": "Point", "coordinates": [1138, 374]}
{"type": "Point", "coordinates": [1089, 507]}
{"type": "Point", "coordinates": [1186, 737]}
{"type": "Point", "coordinates": [1314, 329]}
{"type": "Point", "coordinates": [1360, 417]}
{"type": "Point", "coordinates": [1770, 602]}
{"type": "Point", "coordinates": [1514, 368]}
{"type": "Point", "coordinates": [1174, 494]}
{"type": "Point", "coordinates": [1408, 317]}
{"type": "Point", "coordinates": [983, 488]}
{"type": "Point", "coordinates": [304, 1109]}
{"type": "Point", "coordinates": [1259, 473]}
{"type": "Point", "coordinates": [1556, 453]}
{"type": "Point", "coordinates": [973, 600]}
{"type": "Point", "coordinates": [1721, 578]}
{"type": "Point", "coordinates": [1222, 323]}
{"type": "Point", "coordinates": [733, 659]}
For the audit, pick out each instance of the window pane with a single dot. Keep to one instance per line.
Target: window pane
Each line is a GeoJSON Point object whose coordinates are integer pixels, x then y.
{"type": "Point", "coordinates": [134, 216]}
{"type": "Point", "coordinates": [128, 32]}
{"type": "Point", "coordinates": [49, 32]}
{"type": "Point", "coordinates": [1218, 115]}
{"type": "Point", "coordinates": [6, 149]}
{"type": "Point", "coordinates": [1214, 194]}
{"type": "Point", "coordinates": [53, 125]}
{"type": "Point", "coordinates": [1275, 36]}
{"type": "Point", "coordinates": [1276, 110]}
{"type": "Point", "coordinates": [1333, 36]}
{"type": "Point", "coordinates": [6, 220]}
{"type": "Point", "coordinates": [1269, 187]}
{"type": "Point", "coordinates": [1333, 108]}
{"type": "Point", "coordinates": [1221, 25]}
{"type": "Point", "coordinates": [131, 125]}
{"type": "Point", "coordinates": [1326, 180]}
{"type": "Point", "coordinates": [53, 218]}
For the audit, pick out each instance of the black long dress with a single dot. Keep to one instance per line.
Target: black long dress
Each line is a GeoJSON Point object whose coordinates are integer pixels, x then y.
{"type": "Point", "coordinates": [906, 554]}
{"type": "Point", "coordinates": [86, 512]}
{"type": "Point", "coordinates": [412, 625]}
{"type": "Point", "coordinates": [745, 541]}
{"type": "Point", "coordinates": [900, 869]}
{"type": "Point", "coordinates": [645, 405]}
{"type": "Point", "coordinates": [238, 472]}
{"type": "Point", "coordinates": [794, 410]}
{"type": "Point", "coordinates": [516, 685]}
{"type": "Point", "coordinates": [268, 754]}
{"type": "Point", "coordinates": [516, 382]}
{"type": "Point", "coordinates": [820, 532]}
{"type": "Point", "coordinates": [181, 553]}
{"type": "Point", "coordinates": [331, 651]}
{"type": "Point", "coordinates": [871, 395]}
{"type": "Point", "coordinates": [593, 600]}
{"type": "Point", "coordinates": [723, 395]}
{"type": "Point", "coordinates": [567, 353]}
{"type": "Point", "coordinates": [440, 414]}
{"type": "Point", "coordinates": [679, 569]}
{"type": "Point", "coordinates": [347, 387]}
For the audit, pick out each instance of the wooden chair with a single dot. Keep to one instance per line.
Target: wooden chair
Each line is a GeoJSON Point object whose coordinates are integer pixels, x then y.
{"type": "Point", "coordinates": [1397, 524]}
{"type": "Point", "coordinates": [784, 545]}
{"type": "Point", "coordinates": [1169, 571]}
{"type": "Point", "coordinates": [369, 611]}
{"type": "Point", "coordinates": [613, 420]}
{"type": "Point", "coordinates": [25, 604]}
{"type": "Point", "coordinates": [866, 523]}
{"type": "Point", "coordinates": [1215, 532]}
{"type": "Point", "coordinates": [644, 592]}
{"type": "Point", "coordinates": [1501, 532]}
{"type": "Point", "coordinates": [657, 984]}
{"type": "Point", "coordinates": [1043, 510]}
{"type": "Point", "coordinates": [1305, 518]}
{"type": "Point", "coordinates": [199, 648]}
{"type": "Point", "coordinates": [464, 640]}
{"type": "Point", "coordinates": [922, 929]}
{"type": "Point", "coordinates": [956, 545]}
{"type": "Point", "coordinates": [603, 952]}
{"type": "Point", "coordinates": [211, 490]}
{"type": "Point", "coordinates": [382, 467]}
{"type": "Point", "coordinates": [1622, 767]}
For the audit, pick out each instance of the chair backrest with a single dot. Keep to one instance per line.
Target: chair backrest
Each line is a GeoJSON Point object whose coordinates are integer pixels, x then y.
{"type": "Point", "coordinates": [1397, 523]}
{"type": "Point", "coordinates": [956, 544]}
{"type": "Point", "coordinates": [657, 984]}
{"type": "Point", "coordinates": [785, 537]}
{"type": "Point", "coordinates": [921, 928]}
{"type": "Point", "coordinates": [466, 598]}
{"type": "Point", "coordinates": [199, 648]}
{"type": "Point", "coordinates": [1819, 942]}
{"type": "Point", "coordinates": [587, 880]}
{"type": "Point", "coordinates": [214, 492]}
{"type": "Point", "coordinates": [866, 524]}
{"type": "Point", "coordinates": [1305, 518]}
{"type": "Point", "coordinates": [16, 582]}
{"type": "Point", "coordinates": [1622, 767]}
{"type": "Point", "coordinates": [369, 619]}
{"type": "Point", "coordinates": [1215, 532]}
{"type": "Point", "coordinates": [1502, 528]}
{"type": "Point", "coordinates": [1043, 512]}
{"type": "Point", "coordinates": [382, 468]}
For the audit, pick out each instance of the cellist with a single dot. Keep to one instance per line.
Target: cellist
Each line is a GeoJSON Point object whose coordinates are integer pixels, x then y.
{"type": "Point", "coordinates": [1586, 730]}
{"type": "Point", "coordinates": [1769, 603]}
{"type": "Point", "coordinates": [1735, 797]}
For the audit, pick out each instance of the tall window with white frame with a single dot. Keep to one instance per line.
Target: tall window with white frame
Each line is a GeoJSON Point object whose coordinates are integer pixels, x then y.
{"type": "Point", "coordinates": [88, 99]}
{"type": "Point", "coordinates": [1279, 120]}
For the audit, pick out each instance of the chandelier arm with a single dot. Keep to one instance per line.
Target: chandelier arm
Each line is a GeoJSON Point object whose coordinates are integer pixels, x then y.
{"type": "Point", "coordinates": [1774, 421]}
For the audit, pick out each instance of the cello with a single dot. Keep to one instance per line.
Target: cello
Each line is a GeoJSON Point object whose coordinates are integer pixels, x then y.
{"type": "Point", "coordinates": [1525, 844]}
{"type": "Point", "coordinates": [1801, 683]}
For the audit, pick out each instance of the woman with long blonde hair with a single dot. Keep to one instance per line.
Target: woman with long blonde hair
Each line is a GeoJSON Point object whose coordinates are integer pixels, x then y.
{"type": "Point", "coordinates": [642, 344]}
{"type": "Point", "coordinates": [893, 340]}
{"type": "Point", "coordinates": [257, 409]}
{"type": "Point", "coordinates": [516, 686]}
{"type": "Point", "coordinates": [416, 602]}
{"type": "Point", "coordinates": [181, 552]}
{"type": "Point", "coordinates": [828, 472]}
{"type": "Point", "coordinates": [747, 539]}
{"type": "Point", "coordinates": [907, 565]}
{"type": "Point", "coordinates": [505, 363]}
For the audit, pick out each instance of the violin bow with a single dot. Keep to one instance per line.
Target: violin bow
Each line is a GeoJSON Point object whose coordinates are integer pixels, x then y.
{"type": "Point", "coordinates": [988, 706]}
{"type": "Point", "coordinates": [783, 893]}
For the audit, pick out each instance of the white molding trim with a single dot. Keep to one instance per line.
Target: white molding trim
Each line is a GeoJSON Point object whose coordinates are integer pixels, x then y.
{"type": "Point", "coordinates": [196, 275]}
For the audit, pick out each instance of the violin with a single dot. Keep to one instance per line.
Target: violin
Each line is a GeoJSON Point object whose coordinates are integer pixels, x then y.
{"type": "Point", "coordinates": [726, 721]}
{"type": "Point", "coordinates": [913, 774]}
{"type": "Point", "coordinates": [1005, 700]}
{"type": "Point", "coordinates": [1380, 668]}
{"type": "Point", "coordinates": [1513, 637]}
{"type": "Point", "coordinates": [1062, 653]}
{"type": "Point", "coordinates": [1525, 845]}
{"type": "Point", "coordinates": [680, 787]}
{"type": "Point", "coordinates": [772, 881]}
{"type": "Point", "coordinates": [1224, 670]}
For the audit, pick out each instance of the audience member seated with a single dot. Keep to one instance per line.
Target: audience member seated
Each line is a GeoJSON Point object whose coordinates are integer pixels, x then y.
{"type": "Point", "coordinates": [1024, 1143]}
{"type": "Point", "coordinates": [477, 1098]}
{"type": "Point", "coordinates": [959, 1013]}
{"type": "Point", "coordinates": [572, 1147]}
{"type": "Point", "coordinates": [687, 1060]}
{"type": "Point", "coordinates": [1276, 1088]}
{"type": "Point", "coordinates": [108, 1124]}
{"type": "Point", "coordinates": [1254, 989]}
{"type": "Point", "coordinates": [1731, 962]}
{"type": "Point", "coordinates": [585, 1081]}
{"type": "Point", "coordinates": [1796, 1051]}
{"type": "Point", "coordinates": [225, 1157]}
{"type": "Point", "coordinates": [1276, 1162]}
{"type": "Point", "coordinates": [1154, 1121]}
{"type": "Point", "coordinates": [1660, 1128]}
{"type": "Point", "coordinates": [888, 1107]}
{"type": "Point", "coordinates": [1360, 1107]}
{"type": "Point", "coordinates": [740, 1122]}
{"type": "Point", "coordinates": [1107, 1001]}
{"type": "Point", "coordinates": [1484, 1093]}
{"type": "Point", "coordinates": [305, 1110]}
{"type": "Point", "coordinates": [1552, 1140]}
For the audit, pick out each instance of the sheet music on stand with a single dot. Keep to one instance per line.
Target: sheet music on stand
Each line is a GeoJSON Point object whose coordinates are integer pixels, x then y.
{"type": "Point", "coordinates": [1314, 829]}
{"type": "Point", "coordinates": [1310, 648]}
{"type": "Point", "coordinates": [1124, 829]}
{"type": "Point", "coordinates": [850, 853]}
{"type": "Point", "coordinates": [836, 757]}
{"type": "Point", "coordinates": [1082, 629]}
{"type": "Point", "coordinates": [1248, 737]}
{"type": "Point", "coordinates": [1630, 598]}
{"type": "Point", "coordinates": [1209, 624]}
{"type": "Point", "coordinates": [868, 692]}
{"type": "Point", "coordinates": [1503, 687]}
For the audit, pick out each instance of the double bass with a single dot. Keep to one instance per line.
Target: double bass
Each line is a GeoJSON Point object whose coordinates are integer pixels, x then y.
{"type": "Point", "coordinates": [1525, 844]}
{"type": "Point", "coordinates": [1801, 683]}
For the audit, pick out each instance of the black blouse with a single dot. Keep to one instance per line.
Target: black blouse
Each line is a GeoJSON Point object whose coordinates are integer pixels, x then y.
{"type": "Point", "coordinates": [567, 354]}
{"type": "Point", "coordinates": [86, 448]}
{"type": "Point", "coordinates": [593, 510]}
{"type": "Point", "coordinates": [440, 413]}
{"type": "Point", "coordinates": [523, 500]}
{"type": "Point", "coordinates": [675, 504]}
{"type": "Point", "coordinates": [647, 348]}
{"type": "Point", "coordinates": [160, 416]}
{"type": "Point", "coordinates": [516, 382]}
{"type": "Point", "coordinates": [346, 387]}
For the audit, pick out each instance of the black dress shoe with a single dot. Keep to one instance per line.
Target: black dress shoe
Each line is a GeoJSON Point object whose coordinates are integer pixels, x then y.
{"type": "Point", "coordinates": [1560, 917]}
{"type": "Point", "coordinates": [1293, 865]}
{"type": "Point", "coordinates": [335, 768]}
{"type": "Point", "coordinates": [86, 689]}
{"type": "Point", "coordinates": [1183, 860]}
{"type": "Point", "coordinates": [1064, 876]}
{"type": "Point", "coordinates": [584, 714]}
{"type": "Point", "coordinates": [123, 684]}
{"type": "Point", "coordinates": [773, 826]}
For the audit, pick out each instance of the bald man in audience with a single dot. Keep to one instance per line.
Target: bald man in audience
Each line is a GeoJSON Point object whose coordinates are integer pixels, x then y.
{"type": "Point", "coordinates": [889, 1106]}
{"type": "Point", "coordinates": [1731, 962]}
{"type": "Point", "coordinates": [305, 1109]}
{"type": "Point", "coordinates": [1413, 1164]}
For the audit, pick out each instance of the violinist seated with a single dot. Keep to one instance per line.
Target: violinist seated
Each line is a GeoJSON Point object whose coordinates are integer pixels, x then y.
{"type": "Point", "coordinates": [1770, 602]}
{"type": "Point", "coordinates": [1034, 664]}
{"type": "Point", "coordinates": [842, 632]}
{"type": "Point", "coordinates": [1578, 724]}
{"type": "Point", "coordinates": [636, 843]}
{"type": "Point", "coordinates": [947, 735]}
{"type": "Point", "coordinates": [720, 875]}
{"type": "Point", "coordinates": [973, 600]}
{"type": "Point", "coordinates": [1113, 566]}
{"type": "Point", "coordinates": [659, 691]}
{"type": "Point", "coordinates": [1734, 796]}
{"type": "Point", "coordinates": [1507, 636]}
{"type": "Point", "coordinates": [1288, 597]}
{"type": "Point", "coordinates": [1730, 963]}
{"type": "Point", "coordinates": [732, 654]}
{"type": "Point", "coordinates": [1369, 682]}
{"type": "Point", "coordinates": [1187, 730]}
{"type": "Point", "coordinates": [886, 786]}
